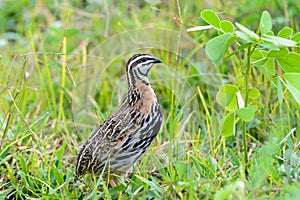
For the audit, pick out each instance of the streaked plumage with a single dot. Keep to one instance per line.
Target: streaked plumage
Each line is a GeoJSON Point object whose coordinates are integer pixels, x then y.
{"type": "Point", "coordinates": [126, 134]}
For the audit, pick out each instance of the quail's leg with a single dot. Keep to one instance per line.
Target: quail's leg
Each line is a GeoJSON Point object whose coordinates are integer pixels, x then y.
{"type": "Point", "coordinates": [112, 183]}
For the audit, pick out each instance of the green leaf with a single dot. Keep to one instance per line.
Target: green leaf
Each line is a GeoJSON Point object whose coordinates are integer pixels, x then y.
{"type": "Point", "coordinates": [227, 26]}
{"type": "Point", "coordinates": [269, 33]}
{"type": "Point", "coordinates": [253, 93]}
{"type": "Point", "coordinates": [269, 45]}
{"type": "Point", "coordinates": [198, 35]}
{"type": "Point", "coordinates": [224, 194]}
{"type": "Point", "coordinates": [293, 79]}
{"type": "Point", "coordinates": [247, 31]}
{"type": "Point", "coordinates": [258, 58]}
{"type": "Point", "coordinates": [268, 69]}
{"type": "Point", "coordinates": [253, 107]}
{"type": "Point", "coordinates": [296, 37]}
{"type": "Point", "coordinates": [217, 47]}
{"type": "Point", "coordinates": [276, 54]}
{"type": "Point", "coordinates": [290, 62]}
{"type": "Point", "coordinates": [247, 114]}
{"type": "Point", "coordinates": [23, 164]}
{"type": "Point", "coordinates": [265, 24]}
{"type": "Point", "coordinates": [56, 30]}
{"type": "Point", "coordinates": [285, 32]}
{"type": "Point", "coordinates": [232, 106]}
{"type": "Point", "coordinates": [279, 41]}
{"type": "Point", "coordinates": [295, 92]}
{"type": "Point", "coordinates": [152, 184]}
{"type": "Point", "coordinates": [228, 125]}
{"type": "Point", "coordinates": [211, 18]}
{"type": "Point", "coordinates": [180, 168]}
{"type": "Point", "coordinates": [225, 94]}
{"type": "Point", "coordinates": [58, 176]}
{"type": "Point", "coordinates": [244, 36]}
{"type": "Point", "coordinates": [71, 32]}
{"type": "Point", "coordinates": [244, 46]}
{"type": "Point", "coordinates": [60, 152]}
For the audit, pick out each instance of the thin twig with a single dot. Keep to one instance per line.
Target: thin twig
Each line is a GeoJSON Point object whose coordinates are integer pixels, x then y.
{"type": "Point", "coordinates": [10, 69]}
{"type": "Point", "coordinates": [5, 129]}
{"type": "Point", "coordinates": [181, 27]}
{"type": "Point", "coordinates": [13, 99]}
{"type": "Point", "coordinates": [288, 135]}
{"type": "Point", "coordinates": [107, 21]}
{"type": "Point", "coordinates": [81, 12]}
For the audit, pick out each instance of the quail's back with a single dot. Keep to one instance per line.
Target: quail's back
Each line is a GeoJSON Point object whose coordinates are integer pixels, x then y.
{"type": "Point", "coordinates": [125, 135]}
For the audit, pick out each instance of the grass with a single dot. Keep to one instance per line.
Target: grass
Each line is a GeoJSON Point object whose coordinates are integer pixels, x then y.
{"type": "Point", "coordinates": [51, 101]}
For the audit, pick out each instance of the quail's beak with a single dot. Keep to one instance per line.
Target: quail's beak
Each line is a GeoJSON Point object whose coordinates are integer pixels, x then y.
{"type": "Point", "coordinates": [155, 60]}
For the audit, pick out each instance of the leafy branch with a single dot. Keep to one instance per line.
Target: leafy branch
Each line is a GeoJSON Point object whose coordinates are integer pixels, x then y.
{"type": "Point", "coordinates": [260, 49]}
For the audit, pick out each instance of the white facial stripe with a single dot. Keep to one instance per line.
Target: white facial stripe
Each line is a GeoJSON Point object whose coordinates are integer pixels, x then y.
{"type": "Point", "coordinates": [136, 59]}
{"type": "Point", "coordinates": [144, 67]}
{"type": "Point", "coordinates": [140, 76]}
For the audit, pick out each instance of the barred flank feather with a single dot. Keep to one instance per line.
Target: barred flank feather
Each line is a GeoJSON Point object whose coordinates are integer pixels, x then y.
{"type": "Point", "coordinates": [126, 134]}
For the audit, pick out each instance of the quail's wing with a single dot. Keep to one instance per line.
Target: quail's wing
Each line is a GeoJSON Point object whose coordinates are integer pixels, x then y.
{"type": "Point", "coordinates": [106, 140]}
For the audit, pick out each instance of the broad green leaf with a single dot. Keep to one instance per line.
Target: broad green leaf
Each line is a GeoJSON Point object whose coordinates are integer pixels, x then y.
{"type": "Point", "coordinates": [279, 41]}
{"type": "Point", "coordinates": [279, 91]}
{"type": "Point", "coordinates": [211, 18]}
{"type": "Point", "coordinates": [276, 54]}
{"type": "Point", "coordinates": [290, 62]}
{"type": "Point", "coordinates": [258, 58]}
{"type": "Point", "coordinates": [246, 114]}
{"type": "Point", "coordinates": [294, 91]}
{"type": "Point", "coordinates": [232, 106]}
{"type": "Point", "coordinates": [225, 94]}
{"type": "Point", "coordinates": [285, 32]}
{"type": "Point", "coordinates": [265, 24]}
{"type": "Point", "coordinates": [296, 37]}
{"type": "Point", "coordinates": [228, 125]}
{"type": "Point", "coordinates": [269, 33]}
{"type": "Point", "coordinates": [227, 26]}
{"type": "Point", "coordinates": [253, 93]}
{"type": "Point", "coordinates": [247, 31]}
{"type": "Point", "coordinates": [269, 45]}
{"type": "Point", "coordinates": [217, 47]}
{"type": "Point", "coordinates": [244, 36]}
{"type": "Point", "coordinates": [293, 79]}
{"type": "Point", "coordinates": [268, 69]}
{"type": "Point", "coordinates": [253, 107]}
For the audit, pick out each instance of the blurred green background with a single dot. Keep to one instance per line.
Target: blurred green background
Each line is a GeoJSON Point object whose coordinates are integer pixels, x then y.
{"type": "Point", "coordinates": [42, 93]}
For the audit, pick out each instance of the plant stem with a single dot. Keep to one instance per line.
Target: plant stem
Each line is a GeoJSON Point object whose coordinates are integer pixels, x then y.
{"type": "Point", "coordinates": [248, 67]}
{"type": "Point", "coordinates": [245, 143]}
